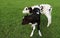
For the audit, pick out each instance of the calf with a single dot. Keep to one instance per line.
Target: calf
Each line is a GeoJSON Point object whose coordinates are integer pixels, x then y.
{"type": "Point", "coordinates": [44, 9]}
{"type": "Point", "coordinates": [34, 20]}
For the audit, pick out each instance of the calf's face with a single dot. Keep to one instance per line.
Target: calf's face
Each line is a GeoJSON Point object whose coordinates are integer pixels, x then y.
{"type": "Point", "coordinates": [25, 20]}
{"type": "Point", "coordinates": [27, 10]}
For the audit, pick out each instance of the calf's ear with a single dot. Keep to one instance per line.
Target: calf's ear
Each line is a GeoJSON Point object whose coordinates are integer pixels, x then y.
{"type": "Point", "coordinates": [41, 7]}
{"type": "Point", "coordinates": [30, 9]}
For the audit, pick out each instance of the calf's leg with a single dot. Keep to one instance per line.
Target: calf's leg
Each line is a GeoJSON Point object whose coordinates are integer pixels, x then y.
{"type": "Point", "coordinates": [38, 27]}
{"type": "Point", "coordinates": [49, 19]}
{"type": "Point", "coordinates": [33, 26]}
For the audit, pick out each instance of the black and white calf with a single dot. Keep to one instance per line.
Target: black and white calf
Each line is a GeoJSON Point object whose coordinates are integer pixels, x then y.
{"type": "Point", "coordinates": [34, 20]}
{"type": "Point", "coordinates": [44, 9]}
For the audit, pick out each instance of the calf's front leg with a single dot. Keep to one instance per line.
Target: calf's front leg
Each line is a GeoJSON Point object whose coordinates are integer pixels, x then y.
{"type": "Point", "coordinates": [38, 27]}
{"type": "Point", "coordinates": [33, 26]}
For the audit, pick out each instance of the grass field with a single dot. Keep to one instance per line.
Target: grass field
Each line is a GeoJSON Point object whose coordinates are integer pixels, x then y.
{"type": "Point", "coordinates": [11, 18]}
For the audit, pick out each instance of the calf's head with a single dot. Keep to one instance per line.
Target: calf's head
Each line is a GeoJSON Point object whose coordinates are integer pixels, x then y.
{"type": "Point", "coordinates": [27, 10]}
{"type": "Point", "coordinates": [26, 20]}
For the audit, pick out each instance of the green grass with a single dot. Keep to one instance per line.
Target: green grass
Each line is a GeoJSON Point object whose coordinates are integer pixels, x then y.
{"type": "Point", "coordinates": [11, 18]}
